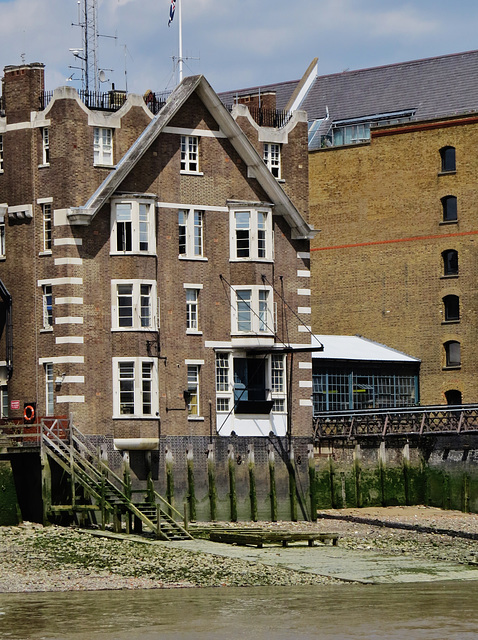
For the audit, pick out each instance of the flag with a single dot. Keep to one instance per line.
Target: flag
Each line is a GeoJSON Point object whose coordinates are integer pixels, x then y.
{"type": "Point", "coordinates": [172, 9]}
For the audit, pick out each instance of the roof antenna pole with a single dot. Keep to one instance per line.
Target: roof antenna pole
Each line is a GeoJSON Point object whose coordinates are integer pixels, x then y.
{"type": "Point", "coordinates": [180, 42]}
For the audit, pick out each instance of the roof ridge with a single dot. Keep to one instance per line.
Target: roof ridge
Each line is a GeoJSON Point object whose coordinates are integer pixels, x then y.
{"type": "Point", "coordinates": [398, 64]}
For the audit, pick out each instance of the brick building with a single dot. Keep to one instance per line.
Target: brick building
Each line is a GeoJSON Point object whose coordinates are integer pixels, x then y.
{"type": "Point", "coordinates": [158, 265]}
{"type": "Point", "coordinates": [392, 188]}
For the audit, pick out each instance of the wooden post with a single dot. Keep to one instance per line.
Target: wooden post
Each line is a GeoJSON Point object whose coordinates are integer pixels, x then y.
{"type": "Point", "coordinates": [358, 475]}
{"type": "Point", "coordinates": [46, 486]}
{"type": "Point", "coordinates": [211, 474]}
{"type": "Point", "coordinates": [158, 521]}
{"type": "Point", "coordinates": [292, 486]}
{"type": "Point", "coordinates": [116, 519]}
{"type": "Point", "coordinates": [185, 509]}
{"type": "Point", "coordinates": [231, 464]}
{"type": "Point", "coordinates": [272, 484]}
{"type": "Point", "coordinates": [191, 488]}
{"type": "Point", "coordinates": [252, 482]}
{"type": "Point", "coordinates": [312, 482]}
{"type": "Point", "coordinates": [169, 478]}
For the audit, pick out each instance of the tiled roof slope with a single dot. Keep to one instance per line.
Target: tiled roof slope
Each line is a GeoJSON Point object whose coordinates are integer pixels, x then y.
{"type": "Point", "coordinates": [432, 87]}
{"type": "Point", "coordinates": [283, 90]}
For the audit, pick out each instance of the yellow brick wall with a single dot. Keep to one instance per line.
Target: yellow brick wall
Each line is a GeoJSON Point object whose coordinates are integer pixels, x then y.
{"type": "Point", "coordinates": [377, 268]}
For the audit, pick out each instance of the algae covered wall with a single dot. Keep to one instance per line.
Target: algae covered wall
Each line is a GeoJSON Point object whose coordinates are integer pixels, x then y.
{"type": "Point", "coordinates": [243, 479]}
{"type": "Point", "coordinates": [9, 509]}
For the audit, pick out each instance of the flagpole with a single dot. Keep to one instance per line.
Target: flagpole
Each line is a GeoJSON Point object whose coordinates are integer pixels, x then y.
{"type": "Point", "coordinates": [180, 42]}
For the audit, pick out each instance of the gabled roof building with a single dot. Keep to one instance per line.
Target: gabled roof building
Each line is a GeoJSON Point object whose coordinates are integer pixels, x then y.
{"type": "Point", "coordinates": [158, 267]}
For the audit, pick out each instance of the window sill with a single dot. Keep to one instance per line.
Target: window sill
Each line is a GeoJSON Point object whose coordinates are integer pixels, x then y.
{"type": "Point", "coordinates": [195, 419]}
{"type": "Point", "coordinates": [450, 277]}
{"type": "Point", "coordinates": [196, 258]}
{"type": "Point", "coordinates": [193, 332]}
{"type": "Point", "coordinates": [132, 329]}
{"type": "Point", "coordinates": [447, 173]}
{"type": "Point", "coordinates": [262, 260]}
{"type": "Point", "coordinates": [448, 222]}
{"type": "Point", "coordinates": [48, 252]}
{"type": "Point", "coordinates": [454, 367]}
{"type": "Point", "coordinates": [104, 166]}
{"type": "Point", "coordinates": [3, 258]}
{"type": "Point", "coordinates": [132, 253]}
{"type": "Point", "coordinates": [46, 330]}
{"type": "Point", "coordinates": [183, 172]}
{"type": "Point", "coordinates": [135, 417]}
{"type": "Point", "coordinates": [43, 166]}
{"type": "Point", "coordinates": [281, 180]}
{"type": "Point", "coordinates": [451, 321]}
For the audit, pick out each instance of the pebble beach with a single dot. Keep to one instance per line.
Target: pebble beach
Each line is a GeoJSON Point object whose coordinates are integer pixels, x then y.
{"type": "Point", "coordinates": [34, 558]}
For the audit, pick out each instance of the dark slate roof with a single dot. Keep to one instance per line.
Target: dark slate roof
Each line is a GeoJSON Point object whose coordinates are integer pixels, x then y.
{"type": "Point", "coordinates": [283, 90]}
{"type": "Point", "coordinates": [432, 87]}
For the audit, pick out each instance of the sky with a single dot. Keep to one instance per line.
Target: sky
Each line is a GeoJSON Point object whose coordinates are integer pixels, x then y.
{"type": "Point", "coordinates": [234, 43]}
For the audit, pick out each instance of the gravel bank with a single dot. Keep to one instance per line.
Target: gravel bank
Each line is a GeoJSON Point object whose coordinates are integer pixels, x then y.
{"type": "Point", "coordinates": [34, 558]}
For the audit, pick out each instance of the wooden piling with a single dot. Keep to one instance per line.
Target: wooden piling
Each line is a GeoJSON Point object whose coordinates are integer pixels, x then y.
{"type": "Point", "coordinates": [191, 484]}
{"type": "Point", "coordinates": [231, 464]}
{"type": "Point", "coordinates": [252, 482]}
{"type": "Point", "coordinates": [211, 474]}
{"type": "Point", "coordinates": [272, 484]}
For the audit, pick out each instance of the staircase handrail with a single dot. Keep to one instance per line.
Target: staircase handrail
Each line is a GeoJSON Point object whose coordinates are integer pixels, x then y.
{"type": "Point", "coordinates": [90, 450]}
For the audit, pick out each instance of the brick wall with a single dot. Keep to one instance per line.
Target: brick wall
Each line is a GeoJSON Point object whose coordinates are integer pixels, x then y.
{"type": "Point", "coordinates": [377, 267]}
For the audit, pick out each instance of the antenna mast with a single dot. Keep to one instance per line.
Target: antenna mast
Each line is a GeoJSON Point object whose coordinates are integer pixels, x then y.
{"type": "Point", "coordinates": [88, 54]}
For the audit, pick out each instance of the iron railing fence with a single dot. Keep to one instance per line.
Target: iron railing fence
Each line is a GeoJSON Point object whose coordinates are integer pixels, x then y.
{"type": "Point", "coordinates": [276, 118]}
{"type": "Point", "coordinates": [111, 100]}
{"type": "Point", "coordinates": [410, 421]}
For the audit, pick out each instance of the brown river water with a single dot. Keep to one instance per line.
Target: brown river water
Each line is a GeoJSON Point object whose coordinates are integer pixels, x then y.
{"type": "Point", "coordinates": [414, 611]}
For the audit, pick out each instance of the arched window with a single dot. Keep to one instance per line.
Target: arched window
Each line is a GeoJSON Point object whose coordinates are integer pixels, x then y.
{"type": "Point", "coordinates": [448, 161]}
{"type": "Point", "coordinates": [452, 354]}
{"type": "Point", "coordinates": [451, 306]}
{"type": "Point", "coordinates": [453, 397]}
{"type": "Point", "coordinates": [450, 210]}
{"type": "Point", "coordinates": [450, 262]}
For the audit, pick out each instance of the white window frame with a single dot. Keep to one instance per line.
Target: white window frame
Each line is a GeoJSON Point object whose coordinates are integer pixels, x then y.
{"type": "Point", "coordinates": [1, 153]}
{"type": "Point", "coordinates": [137, 306]}
{"type": "Point", "coordinates": [191, 234]}
{"type": "Point", "coordinates": [47, 309]}
{"type": "Point", "coordinates": [45, 144]}
{"type": "Point", "coordinates": [261, 312]}
{"type": "Point", "coordinates": [2, 237]}
{"type": "Point", "coordinates": [49, 389]}
{"type": "Point", "coordinates": [272, 158]}
{"type": "Point", "coordinates": [138, 226]}
{"type": "Point", "coordinates": [256, 242]}
{"type": "Point", "coordinates": [189, 149]}
{"type": "Point", "coordinates": [277, 389]}
{"type": "Point", "coordinates": [4, 401]}
{"type": "Point", "coordinates": [141, 385]}
{"type": "Point", "coordinates": [193, 381]}
{"type": "Point", "coordinates": [192, 308]}
{"type": "Point", "coordinates": [47, 226]}
{"type": "Point", "coordinates": [103, 146]}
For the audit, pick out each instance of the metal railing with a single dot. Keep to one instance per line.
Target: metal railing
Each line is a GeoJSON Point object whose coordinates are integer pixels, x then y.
{"type": "Point", "coordinates": [276, 118]}
{"type": "Point", "coordinates": [412, 421]}
{"type": "Point", "coordinates": [110, 100]}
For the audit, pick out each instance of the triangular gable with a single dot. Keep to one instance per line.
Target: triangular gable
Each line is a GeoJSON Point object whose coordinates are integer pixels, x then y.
{"type": "Point", "coordinates": [283, 205]}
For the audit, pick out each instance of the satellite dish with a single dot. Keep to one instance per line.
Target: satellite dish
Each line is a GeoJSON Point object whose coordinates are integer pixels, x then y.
{"type": "Point", "coordinates": [102, 76]}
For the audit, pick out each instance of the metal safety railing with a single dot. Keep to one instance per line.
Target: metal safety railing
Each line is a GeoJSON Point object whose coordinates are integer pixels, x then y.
{"type": "Point", "coordinates": [410, 421]}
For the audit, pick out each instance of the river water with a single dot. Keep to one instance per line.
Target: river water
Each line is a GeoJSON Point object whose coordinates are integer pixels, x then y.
{"type": "Point", "coordinates": [418, 611]}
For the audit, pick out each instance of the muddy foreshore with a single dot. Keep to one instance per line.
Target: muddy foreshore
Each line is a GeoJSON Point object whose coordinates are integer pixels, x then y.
{"type": "Point", "coordinates": [35, 558]}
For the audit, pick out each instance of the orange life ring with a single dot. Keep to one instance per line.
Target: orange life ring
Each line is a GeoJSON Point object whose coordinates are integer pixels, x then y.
{"type": "Point", "coordinates": [29, 413]}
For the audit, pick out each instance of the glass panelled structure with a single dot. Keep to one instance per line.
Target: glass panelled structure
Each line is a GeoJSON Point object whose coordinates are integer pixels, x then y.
{"type": "Point", "coordinates": [355, 386]}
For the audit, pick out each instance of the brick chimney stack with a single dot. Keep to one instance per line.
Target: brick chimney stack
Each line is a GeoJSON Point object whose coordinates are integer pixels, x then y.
{"type": "Point", "coordinates": [22, 87]}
